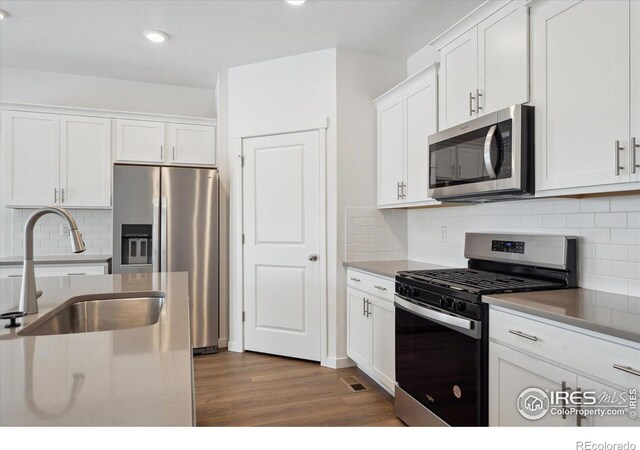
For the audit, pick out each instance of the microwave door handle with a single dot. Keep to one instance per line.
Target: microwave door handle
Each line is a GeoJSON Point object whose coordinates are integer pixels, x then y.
{"type": "Point", "coordinates": [487, 152]}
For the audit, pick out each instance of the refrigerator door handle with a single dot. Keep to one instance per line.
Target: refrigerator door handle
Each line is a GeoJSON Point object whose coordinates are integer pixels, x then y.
{"type": "Point", "coordinates": [155, 236]}
{"type": "Point", "coordinates": [163, 233]}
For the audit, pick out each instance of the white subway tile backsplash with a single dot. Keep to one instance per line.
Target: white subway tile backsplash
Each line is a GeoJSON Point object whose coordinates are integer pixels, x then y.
{"type": "Point", "coordinates": [95, 225]}
{"type": "Point", "coordinates": [608, 230]}
{"type": "Point", "coordinates": [372, 234]}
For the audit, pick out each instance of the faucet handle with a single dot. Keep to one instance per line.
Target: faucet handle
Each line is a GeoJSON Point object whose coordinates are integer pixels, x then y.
{"type": "Point", "coordinates": [13, 317]}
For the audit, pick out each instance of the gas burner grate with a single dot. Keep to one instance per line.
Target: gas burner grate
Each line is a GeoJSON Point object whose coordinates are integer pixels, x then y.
{"type": "Point", "coordinates": [480, 281]}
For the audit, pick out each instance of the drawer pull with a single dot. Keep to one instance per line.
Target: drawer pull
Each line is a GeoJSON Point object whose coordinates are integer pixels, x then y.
{"type": "Point", "coordinates": [15, 276]}
{"type": "Point", "coordinates": [627, 369]}
{"type": "Point", "coordinates": [76, 273]}
{"type": "Point", "coordinates": [521, 334]}
{"type": "Point", "coordinates": [381, 288]}
{"type": "Point", "coordinates": [357, 280]}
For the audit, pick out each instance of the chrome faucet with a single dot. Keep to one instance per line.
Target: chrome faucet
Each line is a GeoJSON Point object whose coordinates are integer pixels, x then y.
{"type": "Point", "coordinates": [29, 294]}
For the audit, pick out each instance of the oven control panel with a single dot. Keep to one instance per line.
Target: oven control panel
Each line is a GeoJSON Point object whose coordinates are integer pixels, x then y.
{"type": "Point", "coordinates": [507, 246]}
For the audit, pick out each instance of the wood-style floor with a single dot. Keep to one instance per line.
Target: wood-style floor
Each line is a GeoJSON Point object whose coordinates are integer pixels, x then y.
{"type": "Point", "coordinates": [253, 389]}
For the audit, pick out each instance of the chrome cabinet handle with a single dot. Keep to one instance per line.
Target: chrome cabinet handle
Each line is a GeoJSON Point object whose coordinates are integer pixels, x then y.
{"type": "Point", "coordinates": [357, 280]}
{"type": "Point", "coordinates": [579, 416]}
{"type": "Point", "coordinates": [55, 195]}
{"type": "Point", "coordinates": [627, 369]}
{"type": "Point", "coordinates": [381, 288]}
{"type": "Point", "coordinates": [404, 190]}
{"type": "Point", "coordinates": [174, 152]}
{"type": "Point", "coordinates": [459, 171]}
{"type": "Point", "coordinates": [563, 388]}
{"type": "Point", "coordinates": [368, 310]}
{"type": "Point", "coordinates": [453, 170]}
{"type": "Point", "coordinates": [619, 148]}
{"type": "Point", "coordinates": [313, 257]}
{"type": "Point", "coordinates": [76, 273]}
{"type": "Point", "coordinates": [487, 152]}
{"type": "Point", "coordinates": [162, 152]}
{"type": "Point", "coordinates": [521, 334]}
{"type": "Point", "coordinates": [471, 99]}
{"type": "Point", "coordinates": [15, 276]}
{"type": "Point", "coordinates": [478, 95]}
{"type": "Point", "coordinates": [634, 146]}
{"type": "Point", "coordinates": [364, 307]}
{"type": "Point", "coordinates": [398, 190]}
{"type": "Point", "coordinates": [62, 195]}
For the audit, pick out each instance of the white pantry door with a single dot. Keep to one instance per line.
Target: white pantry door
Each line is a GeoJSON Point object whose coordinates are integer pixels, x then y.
{"type": "Point", "coordinates": [282, 244]}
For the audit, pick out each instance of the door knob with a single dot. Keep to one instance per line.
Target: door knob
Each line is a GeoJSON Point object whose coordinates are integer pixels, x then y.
{"type": "Point", "coordinates": [313, 257]}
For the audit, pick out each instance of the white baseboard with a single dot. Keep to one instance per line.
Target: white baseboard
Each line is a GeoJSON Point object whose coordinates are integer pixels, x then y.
{"type": "Point", "coordinates": [223, 342]}
{"type": "Point", "coordinates": [339, 363]}
{"type": "Point", "coordinates": [234, 347]}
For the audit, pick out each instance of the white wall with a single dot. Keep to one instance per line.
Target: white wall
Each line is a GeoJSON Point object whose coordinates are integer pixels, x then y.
{"type": "Point", "coordinates": [608, 230]}
{"type": "Point", "coordinates": [49, 88]}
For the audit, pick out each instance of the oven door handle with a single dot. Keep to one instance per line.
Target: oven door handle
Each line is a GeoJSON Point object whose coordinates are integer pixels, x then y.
{"type": "Point", "coordinates": [487, 152]}
{"type": "Point", "coordinates": [466, 326]}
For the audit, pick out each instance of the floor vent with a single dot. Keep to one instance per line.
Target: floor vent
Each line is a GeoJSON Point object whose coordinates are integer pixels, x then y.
{"type": "Point", "coordinates": [354, 384]}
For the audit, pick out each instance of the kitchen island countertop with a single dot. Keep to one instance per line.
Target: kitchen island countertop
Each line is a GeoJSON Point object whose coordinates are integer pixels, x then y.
{"type": "Point", "coordinates": [132, 377]}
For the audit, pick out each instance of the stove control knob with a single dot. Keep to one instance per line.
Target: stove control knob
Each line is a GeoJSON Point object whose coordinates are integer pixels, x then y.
{"type": "Point", "coordinates": [460, 306]}
{"type": "Point", "coordinates": [414, 292]}
{"type": "Point", "coordinates": [403, 290]}
{"type": "Point", "coordinates": [449, 302]}
{"type": "Point", "coordinates": [443, 302]}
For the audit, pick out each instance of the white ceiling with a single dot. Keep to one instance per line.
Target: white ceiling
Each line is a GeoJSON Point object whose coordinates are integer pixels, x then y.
{"type": "Point", "coordinates": [104, 38]}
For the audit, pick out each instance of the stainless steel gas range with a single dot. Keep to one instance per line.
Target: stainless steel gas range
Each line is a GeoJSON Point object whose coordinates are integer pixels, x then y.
{"type": "Point", "coordinates": [442, 325]}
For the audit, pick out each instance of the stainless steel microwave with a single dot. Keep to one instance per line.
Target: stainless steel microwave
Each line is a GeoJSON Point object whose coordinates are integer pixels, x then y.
{"type": "Point", "coordinates": [486, 159]}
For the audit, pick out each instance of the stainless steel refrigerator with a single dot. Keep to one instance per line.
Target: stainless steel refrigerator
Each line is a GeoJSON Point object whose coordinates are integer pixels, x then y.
{"type": "Point", "coordinates": [165, 219]}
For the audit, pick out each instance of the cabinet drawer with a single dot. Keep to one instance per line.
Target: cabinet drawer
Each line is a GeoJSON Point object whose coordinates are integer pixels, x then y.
{"type": "Point", "coordinates": [582, 353]}
{"type": "Point", "coordinates": [379, 286]}
{"type": "Point", "coordinates": [55, 270]}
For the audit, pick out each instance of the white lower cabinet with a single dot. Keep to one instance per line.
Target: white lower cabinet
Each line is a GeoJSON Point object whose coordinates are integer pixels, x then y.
{"type": "Point", "coordinates": [371, 336]}
{"type": "Point", "coordinates": [530, 352]}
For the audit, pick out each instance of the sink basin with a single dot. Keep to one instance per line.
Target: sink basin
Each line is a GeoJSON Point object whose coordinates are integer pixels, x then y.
{"type": "Point", "coordinates": [104, 312]}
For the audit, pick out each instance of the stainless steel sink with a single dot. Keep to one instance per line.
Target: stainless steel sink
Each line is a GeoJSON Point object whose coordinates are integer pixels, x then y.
{"type": "Point", "coordinates": [103, 312]}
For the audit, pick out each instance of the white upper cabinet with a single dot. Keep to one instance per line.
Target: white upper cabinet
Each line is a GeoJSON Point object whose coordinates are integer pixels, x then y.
{"type": "Point", "coordinates": [458, 79]}
{"type": "Point", "coordinates": [486, 68]}
{"type": "Point", "coordinates": [31, 152]}
{"type": "Point", "coordinates": [634, 147]}
{"type": "Point", "coordinates": [503, 60]}
{"type": "Point", "coordinates": [191, 144]}
{"type": "Point", "coordinates": [390, 149]}
{"type": "Point", "coordinates": [140, 141]}
{"type": "Point", "coordinates": [85, 161]}
{"type": "Point", "coordinates": [421, 120]}
{"type": "Point", "coordinates": [582, 93]}
{"type": "Point", "coordinates": [407, 115]}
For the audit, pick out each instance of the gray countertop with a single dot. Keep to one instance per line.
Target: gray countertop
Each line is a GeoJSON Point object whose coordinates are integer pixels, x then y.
{"type": "Point", "coordinates": [134, 377]}
{"type": "Point", "coordinates": [604, 312]}
{"type": "Point", "coordinates": [57, 259]}
{"type": "Point", "coordinates": [390, 268]}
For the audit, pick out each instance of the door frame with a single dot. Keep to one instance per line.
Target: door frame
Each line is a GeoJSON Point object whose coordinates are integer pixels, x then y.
{"type": "Point", "coordinates": [236, 257]}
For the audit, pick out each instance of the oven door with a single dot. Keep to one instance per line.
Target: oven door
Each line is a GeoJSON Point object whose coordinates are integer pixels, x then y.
{"type": "Point", "coordinates": [477, 158]}
{"type": "Point", "coordinates": [439, 362]}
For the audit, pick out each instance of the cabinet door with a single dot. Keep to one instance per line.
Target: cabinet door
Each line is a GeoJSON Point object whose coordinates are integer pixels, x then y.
{"type": "Point", "coordinates": [139, 141]}
{"type": "Point", "coordinates": [616, 397]}
{"type": "Point", "coordinates": [85, 161]}
{"type": "Point", "coordinates": [421, 120]}
{"type": "Point", "coordinates": [503, 59]}
{"type": "Point", "coordinates": [390, 149]}
{"type": "Point", "coordinates": [510, 373]}
{"type": "Point", "coordinates": [458, 80]}
{"type": "Point", "coordinates": [582, 107]}
{"type": "Point", "coordinates": [31, 150]}
{"type": "Point", "coordinates": [191, 144]}
{"type": "Point", "coordinates": [634, 153]}
{"type": "Point", "coordinates": [358, 328]}
{"type": "Point", "coordinates": [383, 354]}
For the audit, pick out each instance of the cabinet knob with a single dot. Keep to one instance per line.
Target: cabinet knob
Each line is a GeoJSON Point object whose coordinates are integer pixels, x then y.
{"type": "Point", "coordinates": [313, 257]}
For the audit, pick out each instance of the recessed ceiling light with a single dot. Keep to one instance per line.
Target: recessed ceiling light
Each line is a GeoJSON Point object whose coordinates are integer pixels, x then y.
{"type": "Point", "coordinates": [3, 14]}
{"type": "Point", "coordinates": [296, 2]}
{"type": "Point", "coordinates": [155, 36]}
